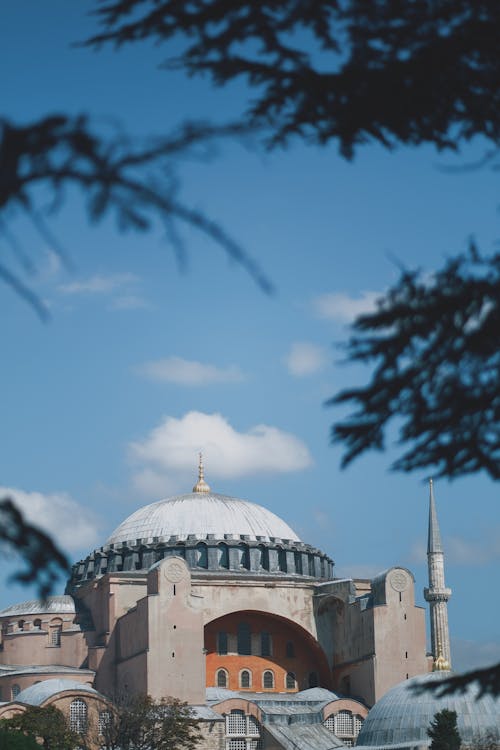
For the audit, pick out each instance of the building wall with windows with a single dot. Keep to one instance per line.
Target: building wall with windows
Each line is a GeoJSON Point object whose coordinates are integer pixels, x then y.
{"type": "Point", "coordinates": [203, 591]}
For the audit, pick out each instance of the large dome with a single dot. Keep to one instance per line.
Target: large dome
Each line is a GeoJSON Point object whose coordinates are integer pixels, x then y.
{"type": "Point", "coordinates": [213, 533]}
{"type": "Point", "coordinates": [200, 514]}
{"type": "Point", "coordinates": [401, 717]}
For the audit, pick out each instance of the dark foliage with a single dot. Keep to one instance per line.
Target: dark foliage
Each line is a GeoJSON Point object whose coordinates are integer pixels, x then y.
{"type": "Point", "coordinates": [394, 72]}
{"type": "Point", "coordinates": [47, 724]}
{"type": "Point", "coordinates": [45, 563]}
{"type": "Point", "coordinates": [443, 731]}
{"type": "Point", "coordinates": [434, 344]}
{"type": "Point", "coordinates": [134, 179]}
{"type": "Point", "coordinates": [142, 724]}
{"type": "Point", "coordinates": [487, 680]}
{"type": "Point", "coordinates": [15, 740]}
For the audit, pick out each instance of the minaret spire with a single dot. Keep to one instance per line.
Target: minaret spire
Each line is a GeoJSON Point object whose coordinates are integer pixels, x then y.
{"type": "Point", "coordinates": [437, 594]}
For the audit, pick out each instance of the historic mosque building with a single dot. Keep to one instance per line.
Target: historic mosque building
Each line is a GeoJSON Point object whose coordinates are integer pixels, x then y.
{"type": "Point", "coordinates": [216, 601]}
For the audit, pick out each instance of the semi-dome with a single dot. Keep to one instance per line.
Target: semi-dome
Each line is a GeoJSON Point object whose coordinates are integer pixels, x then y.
{"type": "Point", "coordinates": [401, 717]}
{"type": "Point", "coordinates": [36, 694]}
{"type": "Point", "coordinates": [200, 514]}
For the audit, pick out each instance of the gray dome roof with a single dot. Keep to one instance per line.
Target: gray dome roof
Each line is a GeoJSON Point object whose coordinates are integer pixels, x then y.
{"type": "Point", "coordinates": [401, 717]}
{"type": "Point", "coordinates": [198, 514]}
{"type": "Point", "coordinates": [37, 694]}
{"type": "Point", "coordinates": [51, 605]}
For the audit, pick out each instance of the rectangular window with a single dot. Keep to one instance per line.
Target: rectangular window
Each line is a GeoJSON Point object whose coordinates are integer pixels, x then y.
{"type": "Point", "coordinates": [244, 639]}
{"type": "Point", "coordinates": [222, 642]}
{"type": "Point", "coordinates": [265, 644]}
{"type": "Point", "coordinates": [55, 635]}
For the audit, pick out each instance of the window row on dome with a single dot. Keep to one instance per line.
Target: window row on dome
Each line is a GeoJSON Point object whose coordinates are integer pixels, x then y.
{"type": "Point", "coordinates": [246, 680]}
{"type": "Point", "coordinates": [53, 628]}
{"type": "Point", "coordinates": [229, 555]}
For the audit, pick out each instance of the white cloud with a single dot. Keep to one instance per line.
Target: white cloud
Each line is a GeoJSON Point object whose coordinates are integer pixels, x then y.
{"type": "Point", "coordinates": [343, 307]}
{"type": "Point", "coordinates": [50, 267]}
{"type": "Point", "coordinates": [99, 284]}
{"type": "Point", "coordinates": [188, 372]}
{"type": "Point", "coordinates": [71, 525]}
{"type": "Point", "coordinates": [305, 358]}
{"type": "Point", "coordinates": [460, 551]}
{"type": "Point", "coordinates": [130, 302]}
{"type": "Point", "coordinates": [170, 451]}
{"type": "Point", "coordinates": [473, 655]}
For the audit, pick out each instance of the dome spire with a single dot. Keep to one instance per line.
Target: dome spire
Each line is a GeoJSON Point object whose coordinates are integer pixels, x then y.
{"type": "Point", "coordinates": [201, 485]}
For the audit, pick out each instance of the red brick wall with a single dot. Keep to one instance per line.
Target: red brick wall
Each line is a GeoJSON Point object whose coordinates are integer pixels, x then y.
{"type": "Point", "coordinates": [308, 656]}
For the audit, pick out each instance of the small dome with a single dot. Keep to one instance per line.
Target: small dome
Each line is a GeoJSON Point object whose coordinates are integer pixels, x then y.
{"type": "Point", "coordinates": [401, 717]}
{"type": "Point", "coordinates": [37, 694]}
{"type": "Point", "coordinates": [199, 514]}
{"type": "Point", "coordinates": [317, 694]}
{"type": "Point", "coordinates": [53, 605]}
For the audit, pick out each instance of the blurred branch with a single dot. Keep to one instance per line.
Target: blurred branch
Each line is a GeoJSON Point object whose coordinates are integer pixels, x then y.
{"type": "Point", "coordinates": [45, 563]}
{"type": "Point", "coordinates": [434, 346]}
{"type": "Point", "coordinates": [395, 73]}
{"type": "Point", "coordinates": [134, 179]}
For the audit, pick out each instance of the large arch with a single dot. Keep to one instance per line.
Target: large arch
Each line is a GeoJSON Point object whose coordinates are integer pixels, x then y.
{"type": "Point", "coordinates": [261, 642]}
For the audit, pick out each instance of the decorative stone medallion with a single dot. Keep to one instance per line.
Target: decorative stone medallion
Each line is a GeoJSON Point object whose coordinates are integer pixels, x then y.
{"type": "Point", "coordinates": [174, 571]}
{"type": "Point", "coordinates": [398, 580]}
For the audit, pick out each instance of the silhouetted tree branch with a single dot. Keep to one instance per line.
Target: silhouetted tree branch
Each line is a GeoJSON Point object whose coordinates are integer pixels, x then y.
{"type": "Point", "coordinates": [487, 681]}
{"type": "Point", "coordinates": [434, 346]}
{"type": "Point", "coordinates": [45, 563]}
{"type": "Point", "coordinates": [396, 73]}
{"type": "Point", "coordinates": [134, 179]}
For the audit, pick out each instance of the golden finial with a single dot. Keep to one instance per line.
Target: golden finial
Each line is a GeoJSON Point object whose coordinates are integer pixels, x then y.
{"type": "Point", "coordinates": [201, 485]}
{"type": "Point", "coordinates": [441, 664]}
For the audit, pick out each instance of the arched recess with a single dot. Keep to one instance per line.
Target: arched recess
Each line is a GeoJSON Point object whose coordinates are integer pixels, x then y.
{"type": "Point", "coordinates": [305, 657]}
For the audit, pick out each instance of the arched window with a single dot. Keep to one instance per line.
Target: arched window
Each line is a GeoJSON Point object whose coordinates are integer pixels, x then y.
{"type": "Point", "coordinates": [236, 722]}
{"type": "Point", "coordinates": [357, 721]}
{"type": "Point", "coordinates": [202, 555]}
{"type": "Point", "coordinates": [14, 691]}
{"type": "Point", "coordinates": [222, 642]}
{"type": "Point", "coordinates": [37, 624]}
{"type": "Point", "coordinates": [104, 722]}
{"type": "Point", "coordinates": [313, 679]}
{"type": "Point", "coordinates": [55, 631]}
{"type": "Point", "coordinates": [245, 679]}
{"type": "Point", "coordinates": [290, 650]}
{"type": "Point", "coordinates": [344, 724]}
{"type": "Point", "coordinates": [78, 716]}
{"type": "Point", "coordinates": [265, 644]}
{"type": "Point", "coordinates": [223, 556]}
{"type": "Point", "coordinates": [282, 560]}
{"type": "Point", "coordinates": [244, 556]}
{"type": "Point", "coordinates": [244, 639]}
{"type": "Point", "coordinates": [221, 678]}
{"type": "Point", "coordinates": [268, 680]}
{"type": "Point", "coordinates": [290, 681]}
{"type": "Point", "coordinates": [21, 624]}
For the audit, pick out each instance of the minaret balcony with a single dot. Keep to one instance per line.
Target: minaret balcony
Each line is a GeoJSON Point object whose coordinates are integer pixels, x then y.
{"type": "Point", "coordinates": [437, 595]}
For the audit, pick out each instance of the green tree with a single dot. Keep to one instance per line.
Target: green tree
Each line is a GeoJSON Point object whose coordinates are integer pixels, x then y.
{"type": "Point", "coordinates": [12, 739]}
{"type": "Point", "coordinates": [443, 731]}
{"type": "Point", "coordinates": [46, 725]}
{"type": "Point", "coordinates": [142, 724]}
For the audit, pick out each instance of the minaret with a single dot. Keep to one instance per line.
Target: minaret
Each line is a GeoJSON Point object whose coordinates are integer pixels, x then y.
{"type": "Point", "coordinates": [437, 594]}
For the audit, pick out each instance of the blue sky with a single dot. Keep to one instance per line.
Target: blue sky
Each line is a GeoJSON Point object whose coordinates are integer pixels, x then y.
{"type": "Point", "coordinates": [143, 364]}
